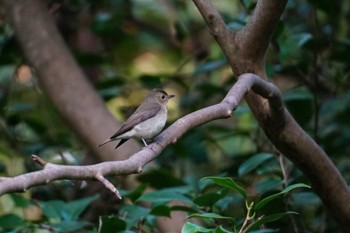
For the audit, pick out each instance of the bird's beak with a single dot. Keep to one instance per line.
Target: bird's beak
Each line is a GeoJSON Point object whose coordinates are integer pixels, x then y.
{"type": "Point", "coordinates": [170, 96]}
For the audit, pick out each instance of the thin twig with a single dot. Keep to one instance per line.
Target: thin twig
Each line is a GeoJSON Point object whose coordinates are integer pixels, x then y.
{"type": "Point", "coordinates": [247, 217]}
{"type": "Point", "coordinates": [39, 160]}
{"type": "Point", "coordinates": [108, 185]}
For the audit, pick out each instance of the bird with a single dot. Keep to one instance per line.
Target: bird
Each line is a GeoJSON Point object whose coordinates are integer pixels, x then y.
{"type": "Point", "coordinates": [147, 120]}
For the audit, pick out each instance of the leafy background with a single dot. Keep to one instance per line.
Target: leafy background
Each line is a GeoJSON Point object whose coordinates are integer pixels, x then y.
{"type": "Point", "coordinates": [128, 46]}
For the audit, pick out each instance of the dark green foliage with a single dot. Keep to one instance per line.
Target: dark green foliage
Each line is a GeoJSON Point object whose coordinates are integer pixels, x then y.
{"type": "Point", "coordinates": [11, 222]}
{"type": "Point", "coordinates": [57, 215]}
{"type": "Point", "coordinates": [142, 45]}
{"type": "Point", "coordinates": [111, 224]}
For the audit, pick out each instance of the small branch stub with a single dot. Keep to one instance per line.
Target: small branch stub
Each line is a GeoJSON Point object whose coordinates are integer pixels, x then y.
{"type": "Point", "coordinates": [108, 185]}
{"type": "Point", "coordinates": [39, 160]}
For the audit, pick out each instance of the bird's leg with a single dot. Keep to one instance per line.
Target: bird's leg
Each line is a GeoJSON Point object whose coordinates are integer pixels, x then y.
{"type": "Point", "coordinates": [144, 142]}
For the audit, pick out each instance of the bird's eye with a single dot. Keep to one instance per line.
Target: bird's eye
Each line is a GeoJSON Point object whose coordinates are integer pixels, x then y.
{"type": "Point", "coordinates": [163, 97]}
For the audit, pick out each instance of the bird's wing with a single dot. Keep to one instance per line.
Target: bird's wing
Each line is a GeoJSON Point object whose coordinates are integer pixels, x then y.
{"type": "Point", "coordinates": [137, 117]}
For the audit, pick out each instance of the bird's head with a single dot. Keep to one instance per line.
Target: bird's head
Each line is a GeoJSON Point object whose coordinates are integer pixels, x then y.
{"type": "Point", "coordinates": [159, 96]}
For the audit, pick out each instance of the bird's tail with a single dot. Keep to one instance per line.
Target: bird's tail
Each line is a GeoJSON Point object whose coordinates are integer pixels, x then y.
{"type": "Point", "coordinates": [121, 142]}
{"type": "Point", "coordinates": [105, 142]}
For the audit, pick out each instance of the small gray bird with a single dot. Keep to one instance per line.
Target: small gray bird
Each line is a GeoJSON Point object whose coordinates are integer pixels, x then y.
{"type": "Point", "coordinates": [147, 121]}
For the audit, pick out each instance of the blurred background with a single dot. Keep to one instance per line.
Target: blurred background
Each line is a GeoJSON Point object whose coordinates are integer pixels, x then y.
{"type": "Point", "coordinates": [127, 47]}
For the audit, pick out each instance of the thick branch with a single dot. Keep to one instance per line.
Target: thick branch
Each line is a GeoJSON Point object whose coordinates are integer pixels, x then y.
{"type": "Point", "coordinates": [284, 132]}
{"type": "Point", "coordinates": [60, 76]}
{"type": "Point", "coordinates": [217, 28]}
{"type": "Point", "coordinates": [136, 162]}
{"type": "Point", "coordinates": [255, 37]}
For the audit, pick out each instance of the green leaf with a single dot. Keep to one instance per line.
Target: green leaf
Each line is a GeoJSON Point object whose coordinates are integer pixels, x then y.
{"type": "Point", "coordinates": [133, 214]}
{"type": "Point", "coordinates": [135, 193]}
{"type": "Point", "coordinates": [291, 44]}
{"type": "Point", "coordinates": [183, 208]}
{"type": "Point", "coordinates": [111, 224]}
{"type": "Point", "coordinates": [212, 216]}
{"type": "Point", "coordinates": [266, 200]}
{"type": "Point", "coordinates": [228, 201]}
{"type": "Point", "coordinates": [161, 210]}
{"type": "Point", "coordinates": [6, 72]}
{"type": "Point", "coordinates": [20, 107]}
{"type": "Point", "coordinates": [11, 221]}
{"type": "Point", "coordinates": [227, 183]}
{"type": "Point", "coordinates": [267, 219]}
{"type": "Point", "coordinates": [20, 201]}
{"type": "Point", "coordinates": [209, 199]}
{"type": "Point", "coordinates": [71, 225]}
{"type": "Point", "coordinates": [163, 196]}
{"type": "Point", "coordinates": [152, 179]}
{"type": "Point", "coordinates": [297, 94]}
{"type": "Point", "coordinates": [268, 183]}
{"type": "Point", "coordinates": [305, 198]}
{"type": "Point", "coordinates": [190, 227]}
{"type": "Point", "coordinates": [52, 209]}
{"type": "Point", "coordinates": [267, 230]}
{"type": "Point", "coordinates": [75, 208]}
{"type": "Point", "coordinates": [220, 229]}
{"type": "Point", "coordinates": [253, 162]}
{"type": "Point", "coordinates": [59, 210]}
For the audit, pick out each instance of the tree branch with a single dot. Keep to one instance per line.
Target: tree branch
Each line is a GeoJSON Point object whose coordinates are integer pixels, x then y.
{"type": "Point", "coordinates": [136, 162]}
{"type": "Point", "coordinates": [288, 137]}
{"type": "Point", "coordinates": [217, 28]}
{"type": "Point", "coordinates": [255, 37]}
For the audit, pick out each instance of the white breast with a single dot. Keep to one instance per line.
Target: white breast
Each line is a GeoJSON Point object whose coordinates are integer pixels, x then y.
{"type": "Point", "coordinates": [151, 127]}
